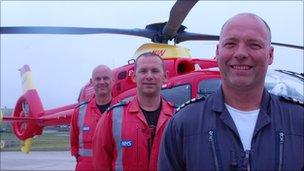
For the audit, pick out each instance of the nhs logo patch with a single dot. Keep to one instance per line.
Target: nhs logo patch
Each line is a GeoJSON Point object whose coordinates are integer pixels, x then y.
{"type": "Point", "coordinates": [86, 128]}
{"type": "Point", "coordinates": [126, 143]}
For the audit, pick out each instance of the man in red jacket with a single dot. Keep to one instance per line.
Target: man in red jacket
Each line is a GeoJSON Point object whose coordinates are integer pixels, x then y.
{"type": "Point", "coordinates": [86, 116]}
{"type": "Point", "coordinates": [128, 136]}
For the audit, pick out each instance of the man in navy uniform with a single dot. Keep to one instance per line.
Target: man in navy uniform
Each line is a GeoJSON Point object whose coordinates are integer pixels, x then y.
{"type": "Point", "coordinates": [241, 126]}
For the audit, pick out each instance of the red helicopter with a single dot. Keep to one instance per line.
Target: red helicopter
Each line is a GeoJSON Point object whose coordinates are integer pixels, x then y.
{"type": "Point", "coordinates": [190, 77]}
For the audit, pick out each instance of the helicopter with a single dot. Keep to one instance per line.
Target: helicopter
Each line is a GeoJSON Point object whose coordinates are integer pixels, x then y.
{"type": "Point", "coordinates": [190, 77]}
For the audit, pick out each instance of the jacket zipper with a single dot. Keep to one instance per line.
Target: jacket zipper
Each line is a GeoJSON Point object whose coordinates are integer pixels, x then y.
{"type": "Point", "coordinates": [233, 162]}
{"type": "Point", "coordinates": [281, 150]}
{"type": "Point", "coordinates": [247, 155]}
{"type": "Point", "coordinates": [137, 130]}
{"type": "Point", "coordinates": [150, 140]}
{"type": "Point", "coordinates": [211, 140]}
{"type": "Point", "coordinates": [149, 148]}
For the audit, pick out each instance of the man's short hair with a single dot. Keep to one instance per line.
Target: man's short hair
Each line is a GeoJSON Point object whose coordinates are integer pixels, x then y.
{"type": "Point", "coordinates": [149, 54]}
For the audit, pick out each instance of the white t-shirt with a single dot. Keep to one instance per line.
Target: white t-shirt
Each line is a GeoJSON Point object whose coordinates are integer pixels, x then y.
{"type": "Point", "coordinates": [245, 123]}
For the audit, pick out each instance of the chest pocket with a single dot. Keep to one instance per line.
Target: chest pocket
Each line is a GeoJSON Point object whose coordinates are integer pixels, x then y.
{"type": "Point", "coordinates": [288, 152]}
{"type": "Point", "coordinates": [130, 143]}
{"type": "Point", "coordinates": [87, 134]}
{"type": "Point", "coordinates": [84, 132]}
{"type": "Point", "coordinates": [127, 142]}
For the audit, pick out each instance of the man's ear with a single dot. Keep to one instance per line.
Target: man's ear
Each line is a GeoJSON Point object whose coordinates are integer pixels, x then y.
{"type": "Point", "coordinates": [166, 75]}
{"type": "Point", "coordinates": [270, 59]}
{"type": "Point", "coordinates": [217, 51]}
{"type": "Point", "coordinates": [113, 80]}
{"type": "Point", "coordinates": [133, 76]}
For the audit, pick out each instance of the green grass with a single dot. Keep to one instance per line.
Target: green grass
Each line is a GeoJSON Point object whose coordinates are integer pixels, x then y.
{"type": "Point", "coordinates": [52, 141]}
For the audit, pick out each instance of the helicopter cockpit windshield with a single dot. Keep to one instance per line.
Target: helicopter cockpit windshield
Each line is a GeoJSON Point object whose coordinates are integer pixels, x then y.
{"type": "Point", "coordinates": [285, 84]}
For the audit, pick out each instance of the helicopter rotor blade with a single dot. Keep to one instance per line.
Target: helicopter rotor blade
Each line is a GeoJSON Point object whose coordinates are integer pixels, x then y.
{"type": "Point", "coordinates": [76, 30]}
{"type": "Point", "coordinates": [178, 13]}
{"type": "Point", "coordinates": [150, 32]}
{"type": "Point", "coordinates": [288, 45]}
{"type": "Point", "coordinates": [187, 36]}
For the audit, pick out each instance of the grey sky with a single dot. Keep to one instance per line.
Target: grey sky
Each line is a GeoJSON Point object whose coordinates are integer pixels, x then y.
{"type": "Point", "coordinates": [62, 64]}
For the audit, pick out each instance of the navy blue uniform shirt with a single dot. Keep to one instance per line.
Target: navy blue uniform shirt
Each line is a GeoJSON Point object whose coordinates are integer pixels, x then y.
{"type": "Point", "coordinates": [203, 136]}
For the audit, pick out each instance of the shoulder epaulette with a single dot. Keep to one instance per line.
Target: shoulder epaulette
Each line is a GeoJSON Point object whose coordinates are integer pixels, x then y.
{"type": "Point", "coordinates": [175, 106]}
{"type": "Point", "coordinates": [121, 103]}
{"type": "Point", "coordinates": [189, 102]}
{"type": "Point", "coordinates": [171, 103]}
{"type": "Point", "coordinates": [292, 100]}
{"type": "Point", "coordinates": [82, 103]}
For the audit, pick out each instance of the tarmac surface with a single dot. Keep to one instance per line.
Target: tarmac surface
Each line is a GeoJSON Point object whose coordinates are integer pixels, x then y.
{"type": "Point", "coordinates": [37, 160]}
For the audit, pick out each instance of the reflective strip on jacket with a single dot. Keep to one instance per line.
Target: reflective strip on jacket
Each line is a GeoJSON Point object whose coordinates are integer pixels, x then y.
{"type": "Point", "coordinates": [83, 124]}
{"type": "Point", "coordinates": [121, 141]}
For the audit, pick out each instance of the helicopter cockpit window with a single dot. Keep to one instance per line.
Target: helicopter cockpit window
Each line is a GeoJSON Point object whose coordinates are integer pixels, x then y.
{"type": "Point", "coordinates": [207, 87]}
{"type": "Point", "coordinates": [177, 95]}
{"type": "Point", "coordinates": [282, 84]}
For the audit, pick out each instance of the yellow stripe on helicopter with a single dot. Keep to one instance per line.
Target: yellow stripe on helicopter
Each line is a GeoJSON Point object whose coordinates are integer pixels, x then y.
{"type": "Point", "coordinates": [1, 116]}
{"type": "Point", "coordinates": [27, 81]}
{"type": "Point", "coordinates": [163, 50]}
{"type": "Point", "coordinates": [26, 145]}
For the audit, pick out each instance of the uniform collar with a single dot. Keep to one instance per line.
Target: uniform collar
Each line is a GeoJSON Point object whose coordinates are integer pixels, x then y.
{"type": "Point", "coordinates": [92, 103]}
{"type": "Point", "coordinates": [165, 113]}
{"type": "Point", "coordinates": [218, 100]}
{"type": "Point", "coordinates": [134, 106]}
{"type": "Point", "coordinates": [265, 101]}
{"type": "Point", "coordinates": [218, 103]}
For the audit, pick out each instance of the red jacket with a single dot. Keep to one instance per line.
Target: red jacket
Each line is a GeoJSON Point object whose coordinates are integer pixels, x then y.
{"type": "Point", "coordinates": [90, 119]}
{"type": "Point", "coordinates": [133, 139]}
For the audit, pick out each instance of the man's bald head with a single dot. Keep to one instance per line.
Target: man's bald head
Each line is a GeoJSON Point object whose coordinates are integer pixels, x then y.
{"type": "Point", "coordinates": [102, 69]}
{"type": "Point", "coordinates": [249, 16]}
{"type": "Point", "coordinates": [102, 81]}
